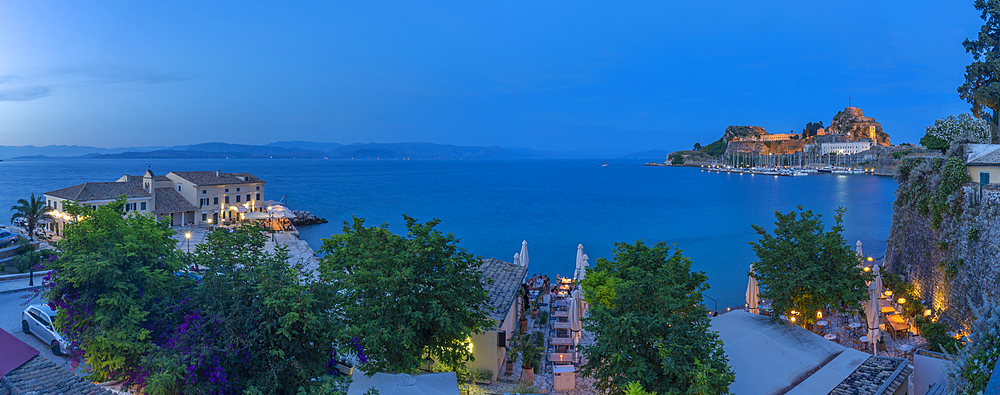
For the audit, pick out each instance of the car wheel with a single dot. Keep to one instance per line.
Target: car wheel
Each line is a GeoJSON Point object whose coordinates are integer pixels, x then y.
{"type": "Point", "coordinates": [12, 242]}
{"type": "Point", "coordinates": [24, 326]}
{"type": "Point", "coordinates": [55, 348]}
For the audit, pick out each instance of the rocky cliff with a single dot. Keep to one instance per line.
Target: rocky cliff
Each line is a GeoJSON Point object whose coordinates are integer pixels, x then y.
{"type": "Point", "coordinates": [854, 123]}
{"type": "Point", "coordinates": [945, 235]}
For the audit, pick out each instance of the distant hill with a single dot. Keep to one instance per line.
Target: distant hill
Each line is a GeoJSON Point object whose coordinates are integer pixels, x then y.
{"type": "Point", "coordinates": [306, 145]}
{"type": "Point", "coordinates": [12, 151]}
{"type": "Point", "coordinates": [651, 154]}
{"type": "Point", "coordinates": [301, 150]}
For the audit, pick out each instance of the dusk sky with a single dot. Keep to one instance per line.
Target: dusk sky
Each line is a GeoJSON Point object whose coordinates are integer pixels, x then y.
{"type": "Point", "coordinates": [552, 75]}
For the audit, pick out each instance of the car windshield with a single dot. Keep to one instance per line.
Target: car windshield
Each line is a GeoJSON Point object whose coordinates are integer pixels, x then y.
{"type": "Point", "coordinates": [45, 309]}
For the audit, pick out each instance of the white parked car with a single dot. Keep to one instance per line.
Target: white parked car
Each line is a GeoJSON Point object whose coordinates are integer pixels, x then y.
{"type": "Point", "coordinates": [37, 320]}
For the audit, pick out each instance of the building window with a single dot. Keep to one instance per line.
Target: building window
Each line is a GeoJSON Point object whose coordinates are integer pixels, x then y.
{"type": "Point", "coordinates": [204, 217]}
{"type": "Point", "coordinates": [258, 187]}
{"type": "Point", "coordinates": [227, 190]}
{"type": "Point", "coordinates": [142, 206]}
{"type": "Point", "coordinates": [258, 196]}
{"type": "Point", "coordinates": [178, 188]}
{"type": "Point", "coordinates": [237, 189]}
{"type": "Point", "coordinates": [227, 199]}
{"type": "Point", "coordinates": [237, 198]}
{"type": "Point", "coordinates": [215, 200]}
{"type": "Point", "coordinates": [204, 192]}
{"type": "Point", "coordinates": [248, 197]}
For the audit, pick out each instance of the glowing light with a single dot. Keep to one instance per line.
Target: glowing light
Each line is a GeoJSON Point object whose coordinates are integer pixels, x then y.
{"type": "Point", "coordinates": [870, 259]}
{"type": "Point", "coordinates": [902, 301]}
{"type": "Point", "coordinates": [868, 268]}
{"type": "Point", "coordinates": [187, 235]}
{"type": "Point", "coordinates": [927, 312]}
{"type": "Point", "coordinates": [888, 292]}
{"type": "Point", "coordinates": [819, 314]}
{"type": "Point", "coordinates": [793, 319]}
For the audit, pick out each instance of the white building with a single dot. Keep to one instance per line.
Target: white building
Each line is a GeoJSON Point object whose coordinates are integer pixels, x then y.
{"type": "Point", "coordinates": [182, 198]}
{"type": "Point", "coordinates": [849, 148]}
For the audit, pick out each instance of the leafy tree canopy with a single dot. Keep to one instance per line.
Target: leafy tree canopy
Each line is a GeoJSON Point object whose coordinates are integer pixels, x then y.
{"type": "Point", "coordinates": [427, 291]}
{"type": "Point", "coordinates": [697, 146]}
{"type": "Point", "coordinates": [805, 268]}
{"type": "Point", "coordinates": [716, 148]}
{"type": "Point", "coordinates": [256, 324]}
{"type": "Point", "coordinates": [649, 325]}
{"type": "Point", "coordinates": [982, 87]}
{"type": "Point", "coordinates": [114, 281]}
{"type": "Point", "coordinates": [963, 128]}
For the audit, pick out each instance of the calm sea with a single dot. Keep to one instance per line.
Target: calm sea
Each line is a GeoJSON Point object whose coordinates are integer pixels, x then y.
{"type": "Point", "coordinates": [554, 205]}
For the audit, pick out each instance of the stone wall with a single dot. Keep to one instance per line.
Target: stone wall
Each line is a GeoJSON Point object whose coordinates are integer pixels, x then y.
{"type": "Point", "coordinates": [957, 265]}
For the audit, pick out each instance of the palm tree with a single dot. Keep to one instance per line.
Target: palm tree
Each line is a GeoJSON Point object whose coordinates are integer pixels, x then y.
{"type": "Point", "coordinates": [32, 211]}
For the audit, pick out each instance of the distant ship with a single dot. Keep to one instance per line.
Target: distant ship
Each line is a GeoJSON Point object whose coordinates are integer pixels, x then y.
{"type": "Point", "coordinates": [605, 164]}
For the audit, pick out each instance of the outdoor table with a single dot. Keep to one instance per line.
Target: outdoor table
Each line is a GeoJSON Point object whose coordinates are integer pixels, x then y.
{"type": "Point", "coordinates": [854, 325]}
{"type": "Point", "coordinates": [561, 357]}
{"type": "Point", "coordinates": [830, 336]}
{"type": "Point", "coordinates": [562, 325]}
{"type": "Point", "coordinates": [561, 341]}
{"type": "Point", "coordinates": [564, 378]}
{"type": "Point", "coordinates": [906, 349]}
{"type": "Point", "coordinates": [822, 323]}
{"type": "Point", "coordinates": [896, 318]}
{"type": "Point", "coordinates": [864, 339]}
{"type": "Point", "coordinates": [561, 313]}
{"type": "Point", "coordinates": [888, 309]}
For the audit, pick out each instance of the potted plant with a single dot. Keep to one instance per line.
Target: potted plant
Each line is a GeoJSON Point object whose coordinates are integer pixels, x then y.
{"type": "Point", "coordinates": [510, 359]}
{"type": "Point", "coordinates": [483, 376]}
{"type": "Point", "coordinates": [543, 318]}
{"type": "Point", "coordinates": [529, 359]}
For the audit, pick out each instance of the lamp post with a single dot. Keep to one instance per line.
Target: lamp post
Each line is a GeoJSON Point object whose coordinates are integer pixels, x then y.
{"type": "Point", "coordinates": [188, 237]}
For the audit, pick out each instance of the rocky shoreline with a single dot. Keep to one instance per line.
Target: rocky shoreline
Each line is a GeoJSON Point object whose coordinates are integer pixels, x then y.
{"type": "Point", "coordinates": [303, 218]}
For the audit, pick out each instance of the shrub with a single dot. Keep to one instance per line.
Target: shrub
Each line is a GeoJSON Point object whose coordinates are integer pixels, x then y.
{"type": "Point", "coordinates": [543, 318]}
{"type": "Point", "coordinates": [937, 339]}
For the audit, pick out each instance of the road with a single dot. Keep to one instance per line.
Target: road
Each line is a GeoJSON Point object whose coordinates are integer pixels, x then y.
{"type": "Point", "coordinates": [11, 306]}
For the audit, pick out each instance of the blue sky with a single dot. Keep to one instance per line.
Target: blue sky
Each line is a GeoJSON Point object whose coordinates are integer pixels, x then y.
{"type": "Point", "coordinates": [554, 75]}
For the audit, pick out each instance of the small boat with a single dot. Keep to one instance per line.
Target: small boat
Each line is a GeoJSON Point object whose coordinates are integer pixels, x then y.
{"type": "Point", "coordinates": [605, 164]}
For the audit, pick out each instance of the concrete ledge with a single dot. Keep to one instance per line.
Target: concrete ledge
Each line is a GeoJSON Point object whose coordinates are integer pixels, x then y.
{"type": "Point", "coordinates": [19, 276]}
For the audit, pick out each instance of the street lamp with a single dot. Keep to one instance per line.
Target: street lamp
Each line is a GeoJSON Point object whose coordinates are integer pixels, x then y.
{"type": "Point", "coordinates": [188, 237]}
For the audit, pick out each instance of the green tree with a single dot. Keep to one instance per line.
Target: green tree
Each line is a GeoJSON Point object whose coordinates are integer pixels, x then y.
{"type": "Point", "coordinates": [982, 87]}
{"type": "Point", "coordinates": [33, 210]}
{"type": "Point", "coordinates": [677, 159]}
{"type": "Point", "coordinates": [805, 268]}
{"type": "Point", "coordinates": [649, 325]}
{"type": "Point", "coordinates": [697, 146]}
{"type": "Point", "coordinates": [716, 148]}
{"type": "Point", "coordinates": [963, 128]}
{"type": "Point", "coordinates": [406, 297]}
{"type": "Point", "coordinates": [256, 324]}
{"type": "Point", "coordinates": [112, 285]}
{"type": "Point", "coordinates": [933, 142]}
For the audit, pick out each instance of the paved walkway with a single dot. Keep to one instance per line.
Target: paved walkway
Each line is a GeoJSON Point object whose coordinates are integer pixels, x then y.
{"type": "Point", "coordinates": [20, 284]}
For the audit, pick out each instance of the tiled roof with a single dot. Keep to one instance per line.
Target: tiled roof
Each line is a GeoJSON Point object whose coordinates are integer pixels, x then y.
{"type": "Point", "coordinates": [169, 201]}
{"type": "Point", "coordinates": [983, 154]}
{"type": "Point", "coordinates": [876, 376]}
{"type": "Point", "coordinates": [507, 278]}
{"type": "Point", "coordinates": [203, 178]}
{"type": "Point", "coordinates": [42, 377]}
{"type": "Point", "coordinates": [89, 191]}
{"type": "Point", "coordinates": [138, 178]}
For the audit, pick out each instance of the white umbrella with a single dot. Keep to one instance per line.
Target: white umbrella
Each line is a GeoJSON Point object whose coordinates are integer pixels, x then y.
{"type": "Point", "coordinates": [878, 280]}
{"type": "Point", "coordinates": [277, 207]}
{"type": "Point", "coordinates": [872, 317]}
{"type": "Point", "coordinates": [517, 259]}
{"type": "Point", "coordinates": [524, 253]}
{"type": "Point", "coordinates": [861, 256]}
{"type": "Point", "coordinates": [574, 316]}
{"type": "Point", "coordinates": [753, 301]}
{"type": "Point", "coordinates": [579, 260]}
{"type": "Point", "coordinates": [282, 214]}
{"type": "Point", "coordinates": [256, 215]}
{"type": "Point", "coordinates": [583, 267]}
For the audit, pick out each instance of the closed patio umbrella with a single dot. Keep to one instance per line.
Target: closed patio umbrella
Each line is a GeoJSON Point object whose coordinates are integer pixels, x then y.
{"type": "Point", "coordinates": [872, 317]}
{"type": "Point", "coordinates": [517, 259]}
{"type": "Point", "coordinates": [878, 280]}
{"type": "Point", "coordinates": [524, 253]}
{"type": "Point", "coordinates": [575, 314]}
{"type": "Point", "coordinates": [579, 260]}
{"type": "Point", "coordinates": [753, 301]}
{"type": "Point", "coordinates": [583, 267]}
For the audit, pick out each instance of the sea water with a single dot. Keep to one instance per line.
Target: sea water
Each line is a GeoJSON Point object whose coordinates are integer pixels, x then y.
{"type": "Point", "coordinates": [553, 204]}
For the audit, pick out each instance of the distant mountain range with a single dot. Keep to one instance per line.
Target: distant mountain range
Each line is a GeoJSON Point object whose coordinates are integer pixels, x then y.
{"type": "Point", "coordinates": [305, 150]}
